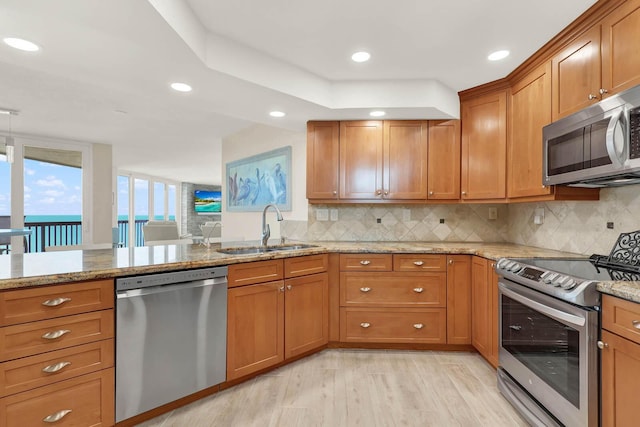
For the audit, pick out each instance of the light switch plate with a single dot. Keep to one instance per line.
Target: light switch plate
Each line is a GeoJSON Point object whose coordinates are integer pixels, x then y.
{"type": "Point", "coordinates": [322, 214]}
{"type": "Point", "coordinates": [333, 214]}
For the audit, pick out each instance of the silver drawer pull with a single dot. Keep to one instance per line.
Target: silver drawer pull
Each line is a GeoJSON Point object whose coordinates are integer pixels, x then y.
{"type": "Point", "coordinates": [365, 262]}
{"type": "Point", "coordinates": [636, 324]}
{"type": "Point", "coordinates": [55, 334]}
{"type": "Point", "coordinates": [418, 325]}
{"type": "Point", "coordinates": [365, 289]}
{"type": "Point", "coordinates": [55, 368]}
{"type": "Point", "coordinates": [54, 418]}
{"type": "Point", "coordinates": [56, 301]}
{"type": "Point", "coordinates": [365, 325]}
{"type": "Point", "coordinates": [418, 263]}
{"type": "Point", "coordinates": [418, 290]}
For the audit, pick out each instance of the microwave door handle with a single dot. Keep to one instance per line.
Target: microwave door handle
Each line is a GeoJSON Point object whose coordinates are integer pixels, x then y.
{"type": "Point", "coordinates": [610, 138]}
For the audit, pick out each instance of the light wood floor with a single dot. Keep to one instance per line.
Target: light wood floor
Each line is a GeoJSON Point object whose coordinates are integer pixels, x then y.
{"type": "Point", "coordinates": [347, 388]}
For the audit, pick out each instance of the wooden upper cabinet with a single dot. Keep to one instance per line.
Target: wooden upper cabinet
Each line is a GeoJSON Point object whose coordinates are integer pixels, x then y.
{"type": "Point", "coordinates": [360, 159]}
{"type": "Point", "coordinates": [576, 75]}
{"type": "Point", "coordinates": [323, 149]}
{"type": "Point", "coordinates": [405, 160]}
{"type": "Point", "coordinates": [444, 160]}
{"type": "Point", "coordinates": [620, 51]}
{"type": "Point", "coordinates": [484, 147]}
{"type": "Point", "coordinates": [530, 111]}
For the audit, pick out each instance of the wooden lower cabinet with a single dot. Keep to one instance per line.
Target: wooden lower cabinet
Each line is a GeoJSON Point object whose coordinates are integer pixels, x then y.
{"type": "Point", "coordinates": [484, 309]}
{"type": "Point", "coordinates": [393, 325]}
{"type": "Point", "coordinates": [255, 328]}
{"type": "Point", "coordinates": [87, 400]}
{"type": "Point", "coordinates": [306, 319]}
{"type": "Point", "coordinates": [459, 299]}
{"type": "Point", "coordinates": [620, 385]}
{"type": "Point", "coordinates": [620, 358]}
{"type": "Point", "coordinates": [273, 321]}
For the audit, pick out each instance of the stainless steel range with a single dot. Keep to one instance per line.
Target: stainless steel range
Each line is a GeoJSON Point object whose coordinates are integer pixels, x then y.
{"type": "Point", "coordinates": [549, 325]}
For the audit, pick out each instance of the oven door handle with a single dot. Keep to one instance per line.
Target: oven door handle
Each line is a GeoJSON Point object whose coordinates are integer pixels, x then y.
{"type": "Point", "coordinates": [544, 309]}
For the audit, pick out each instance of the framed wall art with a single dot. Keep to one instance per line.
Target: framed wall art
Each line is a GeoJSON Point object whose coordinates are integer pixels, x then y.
{"type": "Point", "coordinates": [256, 181]}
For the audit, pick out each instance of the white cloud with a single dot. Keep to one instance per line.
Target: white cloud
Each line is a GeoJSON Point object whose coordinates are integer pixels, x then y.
{"type": "Point", "coordinates": [77, 187]}
{"type": "Point", "coordinates": [48, 200]}
{"type": "Point", "coordinates": [27, 196]}
{"type": "Point", "coordinates": [50, 181]}
{"type": "Point", "coordinates": [53, 193]}
{"type": "Point", "coordinates": [29, 171]}
{"type": "Point", "coordinates": [27, 189]}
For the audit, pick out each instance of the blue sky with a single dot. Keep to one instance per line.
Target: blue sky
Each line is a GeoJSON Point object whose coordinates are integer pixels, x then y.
{"type": "Point", "coordinates": [48, 189]}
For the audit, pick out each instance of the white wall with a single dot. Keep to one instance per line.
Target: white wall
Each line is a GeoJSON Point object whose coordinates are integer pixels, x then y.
{"type": "Point", "coordinates": [102, 195]}
{"type": "Point", "coordinates": [256, 140]}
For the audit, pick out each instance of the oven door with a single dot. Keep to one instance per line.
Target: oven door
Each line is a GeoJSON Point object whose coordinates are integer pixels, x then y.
{"type": "Point", "coordinates": [549, 348]}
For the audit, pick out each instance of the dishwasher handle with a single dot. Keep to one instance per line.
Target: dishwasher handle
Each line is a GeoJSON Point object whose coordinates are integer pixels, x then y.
{"type": "Point", "coordinates": [217, 281]}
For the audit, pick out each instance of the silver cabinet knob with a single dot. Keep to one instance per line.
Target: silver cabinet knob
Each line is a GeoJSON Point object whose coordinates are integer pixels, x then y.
{"type": "Point", "coordinates": [365, 325]}
{"type": "Point", "coordinates": [418, 263]}
{"type": "Point", "coordinates": [636, 324]}
{"type": "Point", "coordinates": [464, 193]}
{"type": "Point", "coordinates": [592, 97]}
{"type": "Point", "coordinates": [450, 262]}
{"type": "Point", "coordinates": [365, 289]}
{"type": "Point", "coordinates": [365, 262]}
{"type": "Point", "coordinates": [431, 193]}
{"type": "Point", "coordinates": [603, 91]}
{"type": "Point", "coordinates": [378, 192]}
{"type": "Point", "coordinates": [335, 193]}
{"type": "Point", "coordinates": [386, 192]}
{"type": "Point", "coordinates": [56, 367]}
{"type": "Point", "coordinates": [418, 290]}
{"type": "Point", "coordinates": [602, 345]}
{"type": "Point", "coordinates": [418, 325]}
{"type": "Point", "coordinates": [54, 418]}
{"type": "Point", "coordinates": [281, 289]}
{"type": "Point", "coordinates": [55, 334]}
{"type": "Point", "coordinates": [55, 302]}
{"type": "Point", "coordinates": [289, 287]}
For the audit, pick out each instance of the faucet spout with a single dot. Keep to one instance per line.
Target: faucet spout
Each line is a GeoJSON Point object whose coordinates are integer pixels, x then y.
{"type": "Point", "coordinates": [266, 230]}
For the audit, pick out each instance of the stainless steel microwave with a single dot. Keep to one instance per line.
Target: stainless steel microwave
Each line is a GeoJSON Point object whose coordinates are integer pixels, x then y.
{"type": "Point", "coordinates": [596, 147]}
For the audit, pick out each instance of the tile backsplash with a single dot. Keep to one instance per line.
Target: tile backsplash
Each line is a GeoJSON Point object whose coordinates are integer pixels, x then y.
{"type": "Point", "coordinates": [578, 227]}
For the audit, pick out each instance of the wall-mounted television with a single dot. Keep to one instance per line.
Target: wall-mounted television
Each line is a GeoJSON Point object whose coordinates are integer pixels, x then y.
{"type": "Point", "coordinates": [207, 202]}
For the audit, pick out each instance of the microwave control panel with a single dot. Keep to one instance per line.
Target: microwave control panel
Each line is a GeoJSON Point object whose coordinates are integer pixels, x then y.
{"type": "Point", "coordinates": [634, 133]}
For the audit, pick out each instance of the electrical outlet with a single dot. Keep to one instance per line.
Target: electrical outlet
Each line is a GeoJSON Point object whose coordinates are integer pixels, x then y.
{"type": "Point", "coordinates": [322, 214]}
{"type": "Point", "coordinates": [538, 216]}
{"type": "Point", "coordinates": [333, 214]}
{"type": "Point", "coordinates": [493, 213]}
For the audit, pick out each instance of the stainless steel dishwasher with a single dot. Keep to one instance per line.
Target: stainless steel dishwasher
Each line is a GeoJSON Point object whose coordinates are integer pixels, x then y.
{"type": "Point", "coordinates": [171, 337]}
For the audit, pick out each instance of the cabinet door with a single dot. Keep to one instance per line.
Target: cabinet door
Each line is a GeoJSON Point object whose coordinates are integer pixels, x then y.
{"type": "Point", "coordinates": [323, 146]}
{"type": "Point", "coordinates": [306, 315]}
{"type": "Point", "coordinates": [458, 299]}
{"type": "Point", "coordinates": [255, 328]}
{"type": "Point", "coordinates": [576, 75]}
{"type": "Point", "coordinates": [480, 306]}
{"type": "Point", "coordinates": [620, 53]}
{"type": "Point", "coordinates": [444, 160]}
{"type": "Point", "coordinates": [405, 160]}
{"type": "Point", "coordinates": [620, 385]}
{"type": "Point", "coordinates": [361, 160]}
{"type": "Point", "coordinates": [484, 147]}
{"type": "Point", "coordinates": [530, 111]}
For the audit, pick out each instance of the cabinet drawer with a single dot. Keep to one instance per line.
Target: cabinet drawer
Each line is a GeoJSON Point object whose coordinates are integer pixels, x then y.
{"type": "Point", "coordinates": [393, 289]}
{"type": "Point", "coordinates": [28, 339]}
{"type": "Point", "coordinates": [366, 262]}
{"type": "Point", "coordinates": [36, 371]}
{"type": "Point", "coordinates": [407, 325]}
{"type": "Point", "coordinates": [304, 265]}
{"type": "Point", "coordinates": [28, 305]}
{"type": "Point", "coordinates": [255, 272]}
{"type": "Point", "coordinates": [419, 262]}
{"type": "Point", "coordinates": [88, 398]}
{"type": "Point", "coordinates": [621, 317]}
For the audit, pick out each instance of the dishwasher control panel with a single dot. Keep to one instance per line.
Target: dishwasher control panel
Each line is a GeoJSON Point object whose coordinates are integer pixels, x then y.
{"type": "Point", "coordinates": [170, 278]}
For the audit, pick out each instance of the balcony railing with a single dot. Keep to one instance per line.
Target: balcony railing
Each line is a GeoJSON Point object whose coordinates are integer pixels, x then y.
{"type": "Point", "coordinates": [70, 233]}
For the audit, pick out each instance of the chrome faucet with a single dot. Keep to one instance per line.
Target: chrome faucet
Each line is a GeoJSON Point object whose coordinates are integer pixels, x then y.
{"type": "Point", "coordinates": [266, 230]}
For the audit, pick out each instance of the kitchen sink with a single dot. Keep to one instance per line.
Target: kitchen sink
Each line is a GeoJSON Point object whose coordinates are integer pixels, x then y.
{"type": "Point", "coordinates": [260, 249]}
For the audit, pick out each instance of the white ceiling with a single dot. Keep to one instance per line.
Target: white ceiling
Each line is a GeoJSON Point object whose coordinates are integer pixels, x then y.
{"type": "Point", "coordinates": [103, 71]}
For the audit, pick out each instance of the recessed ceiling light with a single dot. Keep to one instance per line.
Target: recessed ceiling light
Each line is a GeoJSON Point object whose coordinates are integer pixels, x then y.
{"type": "Point", "coordinates": [498, 55]}
{"type": "Point", "coordinates": [277, 114]}
{"type": "Point", "coordinates": [377, 113]}
{"type": "Point", "coordinates": [21, 44]}
{"type": "Point", "coordinates": [181, 87]}
{"type": "Point", "coordinates": [361, 56]}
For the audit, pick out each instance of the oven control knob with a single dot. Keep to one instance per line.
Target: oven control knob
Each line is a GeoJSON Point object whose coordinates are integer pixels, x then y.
{"type": "Point", "coordinates": [560, 280]}
{"type": "Point", "coordinates": [501, 264]}
{"type": "Point", "coordinates": [550, 276]}
{"type": "Point", "coordinates": [569, 284]}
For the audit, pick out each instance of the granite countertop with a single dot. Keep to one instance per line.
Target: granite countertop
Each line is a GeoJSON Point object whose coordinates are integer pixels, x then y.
{"type": "Point", "coordinates": [35, 269]}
